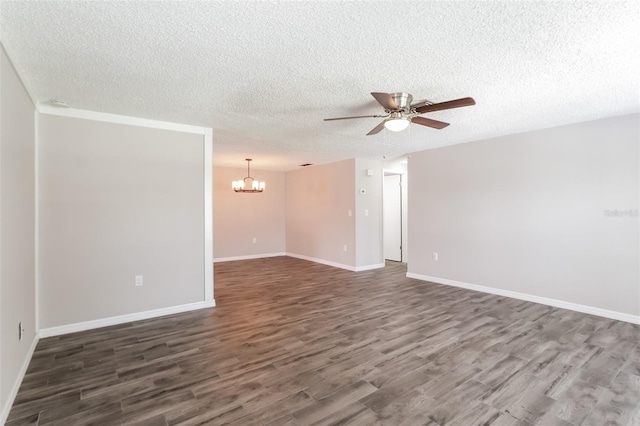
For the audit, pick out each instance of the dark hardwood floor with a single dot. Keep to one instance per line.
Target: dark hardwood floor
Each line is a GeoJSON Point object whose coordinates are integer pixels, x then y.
{"type": "Point", "coordinates": [297, 343]}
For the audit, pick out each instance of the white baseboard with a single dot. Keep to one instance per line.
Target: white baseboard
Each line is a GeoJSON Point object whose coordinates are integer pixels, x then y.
{"type": "Point", "coordinates": [16, 385]}
{"type": "Point", "coordinates": [105, 322]}
{"type": "Point", "coordinates": [322, 261]}
{"type": "Point", "coordinates": [369, 267]}
{"type": "Point", "coordinates": [620, 316]}
{"type": "Point", "coordinates": [336, 264]}
{"type": "Point", "coordinates": [250, 256]}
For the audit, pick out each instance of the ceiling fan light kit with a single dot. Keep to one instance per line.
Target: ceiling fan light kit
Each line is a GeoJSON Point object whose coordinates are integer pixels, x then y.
{"type": "Point", "coordinates": [248, 184]}
{"type": "Point", "coordinates": [400, 111]}
{"type": "Point", "coordinates": [396, 122]}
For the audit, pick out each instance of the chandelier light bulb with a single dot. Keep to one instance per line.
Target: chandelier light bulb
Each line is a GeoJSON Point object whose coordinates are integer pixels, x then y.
{"type": "Point", "coordinates": [254, 186]}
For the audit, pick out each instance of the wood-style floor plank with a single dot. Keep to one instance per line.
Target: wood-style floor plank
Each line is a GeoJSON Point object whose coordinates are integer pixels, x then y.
{"type": "Point", "coordinates": [297, 343]}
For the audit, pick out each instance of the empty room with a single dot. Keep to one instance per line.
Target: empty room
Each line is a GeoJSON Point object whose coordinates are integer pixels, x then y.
{"type": "Point", "coordinates": [320, 213]}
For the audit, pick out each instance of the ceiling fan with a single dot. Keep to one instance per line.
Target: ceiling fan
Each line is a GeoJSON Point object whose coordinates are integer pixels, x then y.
{"type": "Point", "coordinates": [400, 111]}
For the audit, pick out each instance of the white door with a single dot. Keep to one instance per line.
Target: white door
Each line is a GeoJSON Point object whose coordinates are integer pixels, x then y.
{"type": "Point", "coordinates": [392, 214]}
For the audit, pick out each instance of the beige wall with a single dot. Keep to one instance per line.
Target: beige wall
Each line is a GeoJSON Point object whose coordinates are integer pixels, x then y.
{"type": "Point", "coordinates": [17, 228]}
{"type": "Point", "coordinates": [117, 201]}
{"type": "Point", "coordinates": [526, 213]}
{"type": "Point", "coordinates": [238, 217]}
{"type": "Point", "coordinates": [318, 199]}
{"type": "Point", "coordinates": [369, 229]}
{"type": "Point", "coordinates": [317, 223]}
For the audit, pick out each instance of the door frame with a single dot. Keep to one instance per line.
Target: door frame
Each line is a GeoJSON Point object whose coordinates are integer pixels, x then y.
{"type": "Point", "coordinates": [403, 211]}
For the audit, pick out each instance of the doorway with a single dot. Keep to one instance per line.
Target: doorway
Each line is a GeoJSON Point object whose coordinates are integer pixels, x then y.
{"type": "Point", "coordinates": [392, 214]}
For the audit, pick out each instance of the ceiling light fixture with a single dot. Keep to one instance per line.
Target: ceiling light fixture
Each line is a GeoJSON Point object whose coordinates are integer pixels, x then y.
{"type": "Point", "coordinates": [397, 122]}
{"type": "Point", "coordinates": [253, 186]}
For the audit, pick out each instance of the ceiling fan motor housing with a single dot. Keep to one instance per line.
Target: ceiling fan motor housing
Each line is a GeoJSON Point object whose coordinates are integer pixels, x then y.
{"type": "Point", "coordinates": [403, 100]}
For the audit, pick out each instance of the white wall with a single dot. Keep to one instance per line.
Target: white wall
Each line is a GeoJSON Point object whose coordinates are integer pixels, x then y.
{"type": "Point", "coordinates": [369, 227]}
{"type": "Point", "coordinates": [318, 199]}
{"type": "Point", "coordinates": [117, 201]}
{"type": "Point", "coordinates": [526, 213]}
{"type": "Point", "coordinates": [238, 217]}
{"type": "Point", "coordinates": [17, 231]}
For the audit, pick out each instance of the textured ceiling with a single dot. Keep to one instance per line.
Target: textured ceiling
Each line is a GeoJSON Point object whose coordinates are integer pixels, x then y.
{"type": "Point", "coordinates": [263, 75]}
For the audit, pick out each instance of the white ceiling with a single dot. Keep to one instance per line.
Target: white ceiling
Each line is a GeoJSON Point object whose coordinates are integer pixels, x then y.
{"type": "Point", "coordinates": [263, 75]}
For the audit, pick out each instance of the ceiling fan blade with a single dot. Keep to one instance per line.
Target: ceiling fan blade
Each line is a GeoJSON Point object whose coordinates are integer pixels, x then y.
{"type": "Point", "coordinates": [357, 116]}
{"type": "Point", "coordinates": [429, 122]}
{"type": "Point", "coordinates": [376, 129]}
{"type": "Point", "coordinates": [385, 100]}
{"type": "Point", "coordinates": [457, 103]}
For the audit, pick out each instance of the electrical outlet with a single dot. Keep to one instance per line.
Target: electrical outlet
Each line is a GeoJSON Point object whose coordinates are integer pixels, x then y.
{"type": "Point", "coordinates": [350, 213]}
{"type": "Point", "coordinates": [344, 247]}
{"type": "Point", "coordinates": [255, 240]}
{"type": "Point", "coordinates": [366, 212]}
{"type": "Point", "coordinates": [139, 281]}
{"type": "Point", "coordinates": [435, 256]}
{"type": "Point", "coordinates": [20, 330]}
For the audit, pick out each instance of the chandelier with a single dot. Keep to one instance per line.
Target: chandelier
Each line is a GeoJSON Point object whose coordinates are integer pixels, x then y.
{"type": "Point", "coordinates": [251, 186]}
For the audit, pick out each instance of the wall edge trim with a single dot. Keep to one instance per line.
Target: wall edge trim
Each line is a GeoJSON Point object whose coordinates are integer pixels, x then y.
{"type": "Point", "coordinates": [247, 257]}
{"type": "Point", "coordinates": [208, 284]}
{"type": "Point", "coordinates": [585, 309]}
{"type": "Point", "coordinates": [121, 119]}
{"type": "Point", "coordinates": [36, 216]}
{"type": "Point", "coordinates": [16, 385]}
{"type": "Point", "coordinates": [120, 319]}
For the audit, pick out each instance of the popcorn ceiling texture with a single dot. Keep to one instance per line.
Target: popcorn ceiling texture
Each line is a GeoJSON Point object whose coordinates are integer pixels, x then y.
{"type": "Point", "coordinates": [263, 75]}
